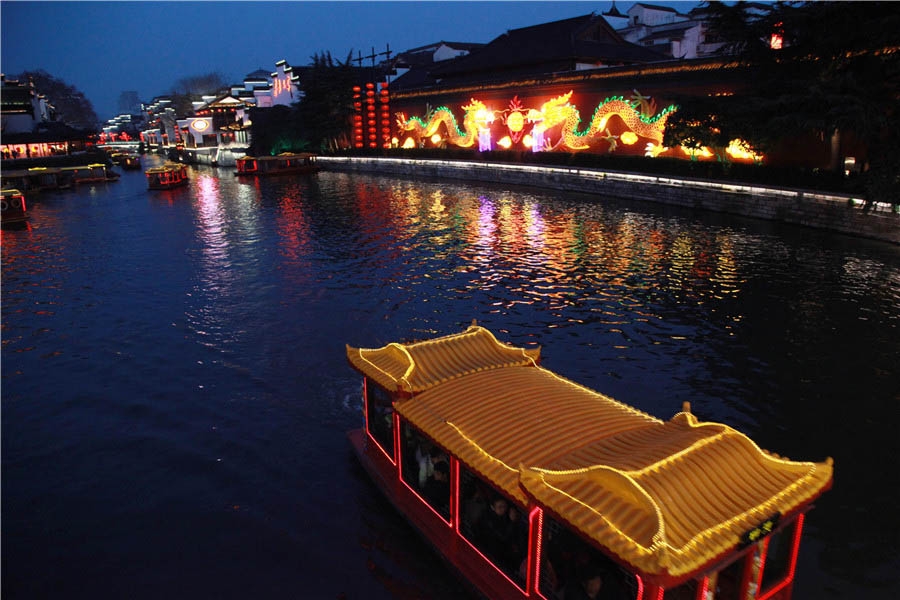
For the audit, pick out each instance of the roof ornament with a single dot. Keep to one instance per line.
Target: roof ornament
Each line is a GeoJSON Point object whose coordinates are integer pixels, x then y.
{"type": "Point", "coordinates": [614, 12]}
{"type": "Point", "coordinates": [686, 407]}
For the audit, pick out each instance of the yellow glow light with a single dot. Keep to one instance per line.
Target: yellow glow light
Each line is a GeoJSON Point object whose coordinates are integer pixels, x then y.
{"type": "Point", "coordinates": [704, 151]}
{"type": "Point", "coordinates": [504, 142]}
{"type": "Point", "coordinates": [628, 138]}
{"type": "Point", "coordinates": [409, 143]}
{"type": "Point", "coordinates": [652, 150]}
{"type": "Point", "coordinates": [395, 141]}
{"type": "Point", "coordinates": [436, 138]}
{"type": "Point", "coordinates": [742, 150]}
{"type": "Point", "coordinates": [527, 141]}
{"type": "Point", "coordinates": [515, 122]}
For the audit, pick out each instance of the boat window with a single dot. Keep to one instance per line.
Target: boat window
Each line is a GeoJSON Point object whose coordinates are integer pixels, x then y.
{"type": "Point", "coordinates": [426, 469]}
{"type": "Point", "coordinates": [380, 416]}
{"type": "Point", "coordinates": [778, 558]}
{"type": "Point", "coordinates": [572, 568]}
{"type": "Point", "coordinates": [729, 579]}
{"type": "Point", "coordinates": [686, 591]}
{"type": "Point", "coordinates": [496, 526]}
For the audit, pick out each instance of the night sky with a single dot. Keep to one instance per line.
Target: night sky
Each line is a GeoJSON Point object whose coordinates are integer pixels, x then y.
{"type": "Point", "coordinates": [104, 48]}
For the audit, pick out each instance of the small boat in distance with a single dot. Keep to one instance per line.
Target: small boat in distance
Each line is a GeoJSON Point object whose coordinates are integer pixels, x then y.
{"type": "Point", "coordinates": [92, 173]}
{"type": "Point", "coordinates": [286, 162]}
{"type": "Point", "coordinates": [168, 176]}
{"type": "Point", "coordinates": [532, 486]}
{"type": "Point", "coordinates": [126, 160]}
{"type": "Point", "coordinates": [12, 207]}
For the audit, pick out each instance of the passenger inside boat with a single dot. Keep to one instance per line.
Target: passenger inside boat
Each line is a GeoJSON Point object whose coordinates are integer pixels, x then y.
{"type": "Point", "coordinates": [426, 469]}
{"type": "Point", "coordinates": [437, 489]}
{"type": "Point", "coordinates": [494, 525]}
{"type": "Point", "coordinates": [575, 570]}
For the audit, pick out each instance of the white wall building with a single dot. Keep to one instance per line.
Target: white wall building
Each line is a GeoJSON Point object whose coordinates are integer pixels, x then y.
{"type": "Point", "coordinates": [23, 109]}
{"type": "Point", "coordinates": [667, 31]}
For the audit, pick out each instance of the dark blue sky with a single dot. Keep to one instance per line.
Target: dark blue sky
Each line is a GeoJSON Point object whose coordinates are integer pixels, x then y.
{"type": "Point", "coordinates": [103, 48]}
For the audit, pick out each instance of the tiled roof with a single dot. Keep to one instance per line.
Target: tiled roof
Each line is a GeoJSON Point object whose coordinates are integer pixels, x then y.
{"type": "Point", "coordinates": [657, 7]}
{"type": "Point", "coordinates": [548, 47]}
{"type": "Point", "coordinates": [666, 497]}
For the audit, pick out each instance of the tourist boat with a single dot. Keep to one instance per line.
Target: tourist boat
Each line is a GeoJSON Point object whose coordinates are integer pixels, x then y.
{"type": "Point", "coordinates": [12, 207]}
{"type": "Point", "coordinates": [168, 176]}
{"type": "Point", "coordinates": [285, 162]}
{"type": "Point", "coordinates": [31, 180]}
{"type": "Point", "coordinates": [92, 173]}
{"type": "Point", "coordinates": [126, 160]}
{"type": "Point", "coordinates": [532, 486]}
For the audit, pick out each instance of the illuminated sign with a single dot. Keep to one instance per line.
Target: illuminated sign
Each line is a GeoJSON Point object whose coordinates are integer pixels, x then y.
{"type": "Point", "coordinates": [201, 125]}
{"type": "Point", "coordinates": [281, 84]}
{"type": "Point", "coordinates": [760, 531]}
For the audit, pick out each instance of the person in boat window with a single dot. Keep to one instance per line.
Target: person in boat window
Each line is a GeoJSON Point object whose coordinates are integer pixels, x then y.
{"type": "Point", "coordinates": [423, 458]}
{"type": "Point", "coordinates": [496, 533]}
{"type": "Point", "coordinates": [473, 511]}
{"type": "Point", "coordinates": [437, 488]}
{"type": "Point", "coordinates": [428, 456]}
{"type": "Point", "coordinates": [595, 583]}
{"type": "Point", "coordinates": [410, 450]}
{"type": "Point", "coordinates": [517, 549]}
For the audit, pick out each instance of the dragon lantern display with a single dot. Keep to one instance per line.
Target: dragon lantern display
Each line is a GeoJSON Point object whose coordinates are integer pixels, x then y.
{"type": "Point", "coordinates": [556, 124]}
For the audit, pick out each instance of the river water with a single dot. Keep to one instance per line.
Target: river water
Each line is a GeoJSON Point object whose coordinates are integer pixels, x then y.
{"type": "Point", "coordinates": [175, 393]}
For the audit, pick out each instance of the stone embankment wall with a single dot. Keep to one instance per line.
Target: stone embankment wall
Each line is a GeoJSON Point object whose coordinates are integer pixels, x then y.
{"type": "Point", "coordinates": [823, 211]}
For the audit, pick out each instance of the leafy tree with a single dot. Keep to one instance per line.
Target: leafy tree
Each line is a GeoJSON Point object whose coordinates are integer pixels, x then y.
{"type": "Point", "coordinates": [275, 130]}
{"type": "Point", "coordinates": [326, 108]}
{"type": "Point", "coordinates": [837, 73]}
{"type": "Point", "coordinates": [207, 83]}
{"type": "Point", "coordinates": [71, 105]}
{"type": "Point", "coordinates": [187, 89]}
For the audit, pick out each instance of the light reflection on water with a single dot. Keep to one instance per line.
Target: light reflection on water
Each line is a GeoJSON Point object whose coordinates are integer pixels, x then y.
{"type": "Point", "coordinates": [173, 366]}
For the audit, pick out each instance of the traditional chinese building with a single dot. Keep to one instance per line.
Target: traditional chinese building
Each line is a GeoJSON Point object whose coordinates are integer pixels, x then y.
{"type": "Point", "coordinates": [574, 85]}
{"type": "Point", "coordinates": [668, 31]}
{"type": "Point", "coordinates": [29, 126]}
{"type": "Point", "coordinates": [219, 131]}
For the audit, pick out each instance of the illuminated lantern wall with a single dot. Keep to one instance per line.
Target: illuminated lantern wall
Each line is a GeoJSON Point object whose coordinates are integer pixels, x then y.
{"type": "Point", "coordinates": [627, 124]}
{"type": "Point", "coordinates": [385, 100]}
{"type": "Point", "coordinates": [357, 117]}
{"type": "Point", "coordinates": [371, 117]}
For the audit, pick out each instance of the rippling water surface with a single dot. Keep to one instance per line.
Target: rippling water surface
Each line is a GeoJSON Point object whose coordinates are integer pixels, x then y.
{"type": "Point", "coordinates": [175, 392]}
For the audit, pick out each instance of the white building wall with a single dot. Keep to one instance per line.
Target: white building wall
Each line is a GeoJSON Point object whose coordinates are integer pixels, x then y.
{"type": "Point", "coordinates": [649, 16]}
{"type": "Point", "coordinates": [446, 53]}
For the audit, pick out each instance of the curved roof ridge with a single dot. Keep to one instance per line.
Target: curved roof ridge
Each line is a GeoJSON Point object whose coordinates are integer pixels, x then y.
{"type": "Point", "coordinates": [793, 483]}
{"type": "Point", "coordinates": [418, 366]}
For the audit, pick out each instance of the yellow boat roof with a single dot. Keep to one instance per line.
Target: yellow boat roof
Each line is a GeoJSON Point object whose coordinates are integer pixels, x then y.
{"type": "Point", "coordinates": [419, 366]}
{"type": "Point", "coordinates": [666, 497]}
{"type": "Point", "coordinates": [165, 168]}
